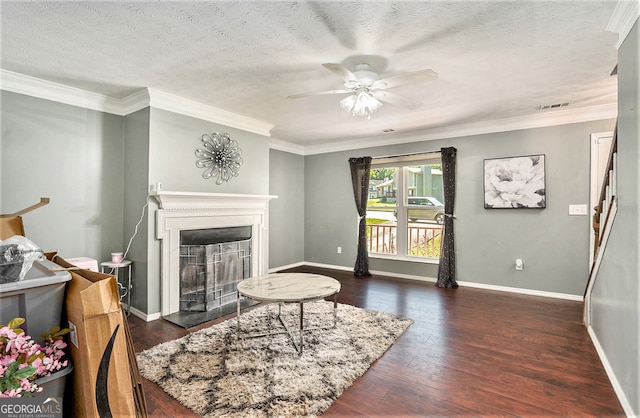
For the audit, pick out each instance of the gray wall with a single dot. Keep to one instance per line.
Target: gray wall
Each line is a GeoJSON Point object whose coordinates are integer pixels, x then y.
{"type": "Point", "coordinates": [136, 179]}
{"type": "Point", "coordinates": [174, 139]}
{"type": "Point", "coordinates": [286, 213]}
{"type": "Point", "coordinates": [616, 293]}
{"type": "Point", "coordinates": [74, 157]}
{"type": "Point", "coordinates": [553, 245]}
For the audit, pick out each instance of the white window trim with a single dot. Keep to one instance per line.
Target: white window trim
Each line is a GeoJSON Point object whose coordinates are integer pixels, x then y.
{"type": "Point", "coordinates": [402, 162]}
{"type": "Point", "coordinates": [398, 257]}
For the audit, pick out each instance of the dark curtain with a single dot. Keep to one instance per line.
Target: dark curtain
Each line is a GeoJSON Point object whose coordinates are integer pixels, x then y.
{"type": "Point", "coordinates": [447, 265]}
{"type": "Point", "coordinates": [360, 168]}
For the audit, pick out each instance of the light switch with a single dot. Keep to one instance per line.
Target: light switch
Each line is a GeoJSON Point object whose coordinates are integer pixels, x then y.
{"type": "Point", "coordinates": [578, 210]}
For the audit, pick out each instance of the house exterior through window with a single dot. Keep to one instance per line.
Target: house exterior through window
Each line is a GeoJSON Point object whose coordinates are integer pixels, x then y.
{"type": "Point", "coordinates": [405, 210]}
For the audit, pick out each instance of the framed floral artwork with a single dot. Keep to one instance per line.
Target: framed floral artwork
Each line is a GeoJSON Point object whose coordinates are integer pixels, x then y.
{"type": "Point", "coordinates": [515, 183]}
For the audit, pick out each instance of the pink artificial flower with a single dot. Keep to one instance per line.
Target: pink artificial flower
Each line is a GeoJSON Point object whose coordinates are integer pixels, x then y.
{"type": "Point", "coordinates": [45, 358]}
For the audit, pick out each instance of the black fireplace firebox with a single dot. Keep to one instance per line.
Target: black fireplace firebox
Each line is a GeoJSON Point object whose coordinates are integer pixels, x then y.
{"type": "Point", "coordinates": [212, 262]}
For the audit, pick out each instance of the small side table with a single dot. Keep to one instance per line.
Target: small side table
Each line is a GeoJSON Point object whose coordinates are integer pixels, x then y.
{"type": "Point", "coordinates": [111, 268]}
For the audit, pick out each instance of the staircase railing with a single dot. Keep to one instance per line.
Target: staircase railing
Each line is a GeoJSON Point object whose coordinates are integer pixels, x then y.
{"type": "Point", "coordinates": [604, 213]}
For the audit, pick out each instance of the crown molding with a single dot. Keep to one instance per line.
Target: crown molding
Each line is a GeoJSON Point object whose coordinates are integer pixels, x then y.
{"type": "Point", "coordinates": [31, 86]}
{"type": "Point", "coordinates": [134, 102]}
{"type": "Point", "coordinates": [42, 89]}
{"type": "Point", "coordinates": [539, 120]}
{"type": "Point", "coordinates": [176, 104]}
{"type": "Point", "coordinates": [623, 18]}
{"type": "Point", "coordinates": [285, 146]}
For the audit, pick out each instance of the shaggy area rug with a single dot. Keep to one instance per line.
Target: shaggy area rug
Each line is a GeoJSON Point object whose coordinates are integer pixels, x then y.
{"type": "Point", "coordinates": [214, 373]}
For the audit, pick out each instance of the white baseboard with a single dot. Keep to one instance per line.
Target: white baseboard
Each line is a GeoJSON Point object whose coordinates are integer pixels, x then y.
{"type": "Point", "coordinates": [530, 292]}
{"type": "Point", "coordinates": [288, 266]}
{"type": "Point", "coordinates": [345, 268]}
{"type": "Point", "coordinates": [628, 410]}
{"type": "Point", "coordinates": [327, 266]}
{"type": "Point", "coordinates": [145, 317]}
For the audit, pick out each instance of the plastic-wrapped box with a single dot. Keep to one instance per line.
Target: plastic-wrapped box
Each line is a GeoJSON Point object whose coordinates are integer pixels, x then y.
{"type": "Point", "coordinates": [38, 298]}
{"type": "Point", "coordinates": [11, 262]}
{"type": "Point", "coordinates": [17, 254]}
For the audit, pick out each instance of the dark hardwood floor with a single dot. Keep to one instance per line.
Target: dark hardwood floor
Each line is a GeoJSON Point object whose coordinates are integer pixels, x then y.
{"type": "Point", "coordinates": [470, 352]}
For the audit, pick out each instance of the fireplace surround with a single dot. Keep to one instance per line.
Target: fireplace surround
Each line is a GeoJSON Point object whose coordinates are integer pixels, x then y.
{"type": "Point", "coordinates": [183, 211]}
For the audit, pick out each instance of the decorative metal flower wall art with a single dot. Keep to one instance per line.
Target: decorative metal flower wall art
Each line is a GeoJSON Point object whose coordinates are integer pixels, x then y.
{"type": "Point", "coordinates": [221, 157]}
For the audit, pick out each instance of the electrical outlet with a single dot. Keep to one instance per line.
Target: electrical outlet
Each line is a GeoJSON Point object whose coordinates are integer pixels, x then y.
{"type": "Point", "coordinates": [339, 250]}
{"type": "Point", "coordinates": [519, 264]}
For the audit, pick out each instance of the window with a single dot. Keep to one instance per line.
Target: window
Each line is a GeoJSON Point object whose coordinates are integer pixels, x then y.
{"type": "Point", "coordinates": [405, 210]}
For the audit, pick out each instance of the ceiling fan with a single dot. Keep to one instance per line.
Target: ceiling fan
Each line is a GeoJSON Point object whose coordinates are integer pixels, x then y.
{"type": "Point", "coordinates": [368, 90]}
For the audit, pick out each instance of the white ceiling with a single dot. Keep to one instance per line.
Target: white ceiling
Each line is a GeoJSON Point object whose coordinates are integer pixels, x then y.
{"type": "Point", "coordinates": [495, 59]}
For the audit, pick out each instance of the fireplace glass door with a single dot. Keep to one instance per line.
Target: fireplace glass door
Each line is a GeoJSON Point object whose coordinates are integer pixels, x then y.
{"type": "Point", "coordinates": [212, 262]}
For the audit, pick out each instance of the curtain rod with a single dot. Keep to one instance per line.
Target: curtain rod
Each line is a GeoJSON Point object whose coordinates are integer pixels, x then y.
{"type": "Point", "coordinates": [408, 154]}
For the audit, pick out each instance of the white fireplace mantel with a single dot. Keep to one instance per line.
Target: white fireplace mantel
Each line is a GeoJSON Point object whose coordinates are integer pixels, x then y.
{"type": "Point", "coordinates": [196, 200]}
{"type": "Point", "coordinates": [181, 211]}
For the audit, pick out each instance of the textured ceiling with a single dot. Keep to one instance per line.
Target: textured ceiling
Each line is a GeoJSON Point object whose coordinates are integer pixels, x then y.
{"type": "Point", "coordinates": [495, 59]}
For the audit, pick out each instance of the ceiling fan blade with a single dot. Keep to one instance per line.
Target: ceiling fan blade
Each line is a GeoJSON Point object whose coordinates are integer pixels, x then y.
{"type": "Point", "coordinates": [396, 99]}
{"type": "Point", "coordinates": [402, 79]}
{"type": "Point", "coordinates": [341, 71]}
{"type": "Point", "coordinates": [318, 93]}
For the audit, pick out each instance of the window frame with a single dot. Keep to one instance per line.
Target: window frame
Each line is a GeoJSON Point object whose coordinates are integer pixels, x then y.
{"type": "Point", "coordinates": [402, 163]}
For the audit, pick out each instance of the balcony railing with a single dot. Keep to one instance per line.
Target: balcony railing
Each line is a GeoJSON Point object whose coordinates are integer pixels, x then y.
{"type": "Point", "coordinates": [422, 240]}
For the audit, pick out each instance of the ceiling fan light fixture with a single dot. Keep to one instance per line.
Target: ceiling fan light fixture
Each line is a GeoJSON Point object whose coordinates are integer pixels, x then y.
{"type": "Point", "coordinates": [367, 90]}
{"type": "Point", "coordinates": [360, 103]}
{"type": "Point", "coordinates": [351, 84]}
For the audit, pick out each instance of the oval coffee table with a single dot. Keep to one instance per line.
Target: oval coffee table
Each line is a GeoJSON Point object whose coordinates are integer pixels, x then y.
{"type": "Point", "coordinates": [289, 288]}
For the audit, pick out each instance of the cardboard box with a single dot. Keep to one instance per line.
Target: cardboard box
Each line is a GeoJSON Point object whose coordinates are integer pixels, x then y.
{"type": "Point", "coordinates": [10, 226]}
{"type": "Point", "coordinates": [106, 380]}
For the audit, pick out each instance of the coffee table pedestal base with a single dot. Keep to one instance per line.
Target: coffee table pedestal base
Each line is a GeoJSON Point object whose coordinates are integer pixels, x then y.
{"type": "Point", "coordinates": [299, 344]}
